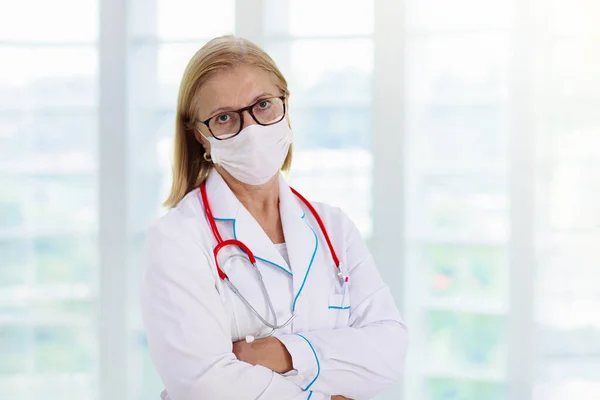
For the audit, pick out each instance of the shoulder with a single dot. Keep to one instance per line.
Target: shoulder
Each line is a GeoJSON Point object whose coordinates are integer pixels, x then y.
{"type": "Point", "coordinates": [339, 225]}
{"type": "Point", "coordinates": [182, 228]}
{"type": "Point", "coordinates": [329, 212]}
{"type": "Point", "coordinates": [178, 249]}
{"type": "Point", "coordinates": [177, 259]}
{"type": "Point", "coordinates": [186, 211]}
{"type": "Point", "coordinates": [345, 237]}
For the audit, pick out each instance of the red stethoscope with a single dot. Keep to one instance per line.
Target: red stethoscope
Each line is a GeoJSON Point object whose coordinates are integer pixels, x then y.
{"type": "Point", "coordinates": [234, 242]}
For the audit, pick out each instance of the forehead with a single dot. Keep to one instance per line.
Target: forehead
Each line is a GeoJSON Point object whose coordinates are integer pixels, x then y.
{"type": "Point", "coordinates": [234, 88]}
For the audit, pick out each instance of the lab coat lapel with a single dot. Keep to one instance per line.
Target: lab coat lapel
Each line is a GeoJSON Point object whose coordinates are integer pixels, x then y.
{"type": "Point", "coordinates": [228, 209]}
{"type": "Point", "coordinates": [301, 240]}
{"type": "Point", "coordinates": [248, 231]}
{"type": "Point", "coordinates": [223, 203]}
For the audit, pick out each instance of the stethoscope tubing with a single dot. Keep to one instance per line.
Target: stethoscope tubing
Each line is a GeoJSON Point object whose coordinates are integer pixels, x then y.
{"type": "Point", "coordinates": [234, 242]}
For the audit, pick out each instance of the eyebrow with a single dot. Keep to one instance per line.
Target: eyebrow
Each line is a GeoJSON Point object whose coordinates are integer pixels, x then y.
{"type": "Point", "coordinates": [214, 113]}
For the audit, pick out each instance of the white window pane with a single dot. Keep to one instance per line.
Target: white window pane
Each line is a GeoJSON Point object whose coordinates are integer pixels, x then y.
{"type": "Point", "coordinates": [464, 345]}
{"type": "Point", "coordinates": [464, 389]}
{"type": "Point", "coordinates": [457, 80]}
{"type": "Point", "coordinates": [48, 210]}
{"type": "Point", "coordinates": [465, 68]}
{"type": "Point", "coordinates": [144, 380]}
{"type": "Point", "coordinates": [567, 284]}
{"type": "Point", "coordinates": [194, 19]}
{"type": "Point", "coordinates": [569, 364]}
{"type": "Point", "coordinates": [326, 71]}
{"type": "Point", "coordinates": [13, 205]}
{"type": "Point", "coordinates": [568, 225]}
{"type": "Point", "coordinates": [467, 207]}
{"type": "Point", "coordinates": [64, 259]}
{"type": "Point", "coordinates": [465, 275]}
{"type": "Point", "coordinates": [573, 71]}
{"type": "Point", "coordinates": [567, 198]}
{"type": "Point", "coordinates": [49, 141]}
{"type": "Point", "coordinates": [55, 387]}
{"type": "Point", "coordinates": [459, 14]}
{"type": "Point", "coordinates": [172, 60]}
{"type": "Point", "coordinates": [457, 137]}
{"type": "Point", "coordinates": [16, 259]}
{"type": "Point", "coordinates": [570, 195]}
{"type": "Point", "coordinates": [331, 126]}
{"type": "Point", "coordinates": [63, 349]}
{"type": "Point", "coordinates": [47, 76]}
{"type": "Point", "coordinates": [573, 310]}
{"type": "Point", "coordinates": [574, 388]}
{"type": "Point", "coordinates": [569, 132]}
{"type": "Point", "coordinates": [12, 145]}
{"type": "Point", "coordinates": [48, 21]}
{"type": "Point", "coordinates": [575, 16]}
{"type": "Point", "coordinates": [318, 18]}
{"type": "Point", "coordinates": [14, 345]}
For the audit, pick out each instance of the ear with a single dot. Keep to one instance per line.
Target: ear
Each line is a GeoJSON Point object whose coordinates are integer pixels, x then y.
{"type": "Point", "coordinates": [202, 140]}
{"type": "Point", "coordinates": [198, 136]}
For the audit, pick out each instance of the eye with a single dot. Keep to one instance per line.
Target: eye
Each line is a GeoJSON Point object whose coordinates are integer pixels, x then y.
{"type": "Point", "coordinates": [223, 118]}
{"type": "Point", "coordinates": [264, 104]}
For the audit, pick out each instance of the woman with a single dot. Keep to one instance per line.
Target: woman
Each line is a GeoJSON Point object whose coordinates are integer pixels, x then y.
{"type": "Point", "coordinates": [311, 318]}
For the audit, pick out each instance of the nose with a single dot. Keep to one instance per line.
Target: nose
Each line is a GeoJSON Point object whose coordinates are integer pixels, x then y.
{"type": "Point", "coordinates": [247, 119]}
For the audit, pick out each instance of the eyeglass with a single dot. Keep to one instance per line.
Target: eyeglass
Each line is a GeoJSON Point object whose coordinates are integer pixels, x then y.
{"type": "Point", "coordinates": [228, 124]}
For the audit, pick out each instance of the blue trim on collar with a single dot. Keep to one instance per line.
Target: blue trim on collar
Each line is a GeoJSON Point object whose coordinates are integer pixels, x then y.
{"type": "Point", "coordinates": [272, 263]}
{"type": "Point", "coordinates": [228, 220]}
{"type": "Point", "coordinates": [309, 395]}
{"type": "Point", "coordinates": [316, 358]}
{"type": "Point", "coordinates": [257, 257]}
{"type": "Point", "coordinates": [312, 259]}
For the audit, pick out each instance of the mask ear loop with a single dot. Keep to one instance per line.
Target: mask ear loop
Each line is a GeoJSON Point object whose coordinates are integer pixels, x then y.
{"type": "Point", "coordinates": [205, 155]}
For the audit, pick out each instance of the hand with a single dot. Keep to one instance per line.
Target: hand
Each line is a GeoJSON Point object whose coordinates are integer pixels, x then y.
{"type": "Point", "coordinates": [268, 352]}
{"type": "Point", "coordinates": [339, 397]}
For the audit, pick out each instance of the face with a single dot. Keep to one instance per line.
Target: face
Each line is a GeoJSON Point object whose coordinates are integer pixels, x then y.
{"type": "Point", "coordinates": [231, 90]}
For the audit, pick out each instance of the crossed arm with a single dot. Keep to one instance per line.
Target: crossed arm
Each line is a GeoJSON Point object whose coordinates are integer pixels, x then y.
{"type": "Point", "coordinates": [188, 332]}
{"type": "Point", "coordinates": [358, 361]}
{"type": "Point", "coordinates": [270, 353]}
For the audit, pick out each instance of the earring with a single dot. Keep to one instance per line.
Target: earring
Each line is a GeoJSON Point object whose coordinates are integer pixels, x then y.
{"type": "Point", "coordinates": [207, 157]}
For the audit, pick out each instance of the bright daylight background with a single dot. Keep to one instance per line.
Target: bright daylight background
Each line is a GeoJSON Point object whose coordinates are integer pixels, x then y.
{"type": "Point", "coordinates": [462, 136]}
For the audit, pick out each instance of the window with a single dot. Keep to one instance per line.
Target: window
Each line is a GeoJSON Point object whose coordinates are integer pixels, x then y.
{"type": "Point", "coordinates": [48, 210]}
{"type": "Point", "coordinates": [497, 98]}
{"type": "Point", "coordinates": [567, 223]}
{"type": "Point", "coordinates": [457, 121]}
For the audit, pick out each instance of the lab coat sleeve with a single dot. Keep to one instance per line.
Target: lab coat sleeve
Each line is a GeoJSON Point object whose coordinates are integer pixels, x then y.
{"type": "Point", "coordinates": [363, 359]}
{"type": "Point", "coordinates": [188, 328]}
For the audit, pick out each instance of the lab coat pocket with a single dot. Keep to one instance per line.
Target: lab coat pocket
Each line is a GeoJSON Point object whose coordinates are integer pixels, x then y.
{"type": "Point", "coordinates": [339, 310]}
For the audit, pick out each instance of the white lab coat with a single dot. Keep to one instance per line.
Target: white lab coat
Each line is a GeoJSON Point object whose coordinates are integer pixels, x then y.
{"type": "Point", "coordinates": [356, 348]}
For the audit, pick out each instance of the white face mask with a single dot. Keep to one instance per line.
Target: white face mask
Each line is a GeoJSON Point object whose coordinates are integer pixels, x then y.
{"type": "Point", "coordinates": [256, 154]}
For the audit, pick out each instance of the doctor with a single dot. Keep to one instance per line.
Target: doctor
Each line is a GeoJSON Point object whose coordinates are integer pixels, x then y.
{"type": "Point", "coordinates": [250, 291]}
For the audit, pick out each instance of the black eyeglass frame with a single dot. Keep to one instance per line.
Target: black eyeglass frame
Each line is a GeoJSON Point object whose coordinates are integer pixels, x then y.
{"type": "Point", "coordinates": [240, 113]}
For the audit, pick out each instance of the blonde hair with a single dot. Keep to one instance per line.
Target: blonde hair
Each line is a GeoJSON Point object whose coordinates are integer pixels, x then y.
{"type": "Point", "coordinates": [190, 168]}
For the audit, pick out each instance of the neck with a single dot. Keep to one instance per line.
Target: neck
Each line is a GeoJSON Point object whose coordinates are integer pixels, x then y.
{"type": "Point", "coordinates": [259, 200]}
